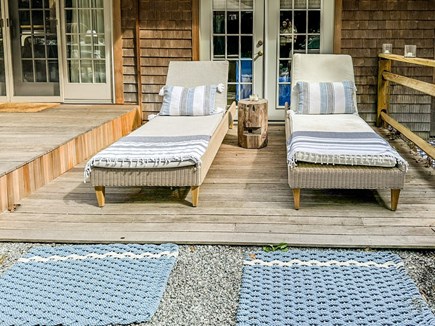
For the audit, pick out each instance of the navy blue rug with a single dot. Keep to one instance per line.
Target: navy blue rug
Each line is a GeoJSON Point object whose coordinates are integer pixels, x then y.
{"type": "Point", "coordinates": [340, 288]}
{"type": "Point", "coordinates": [86, 284]}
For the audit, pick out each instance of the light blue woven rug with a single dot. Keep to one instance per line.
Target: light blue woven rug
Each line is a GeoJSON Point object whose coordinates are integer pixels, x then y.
{"type": "Point", "coordinates": [340, 288]}
{"type": "Point", "coordinates": [86, 284]}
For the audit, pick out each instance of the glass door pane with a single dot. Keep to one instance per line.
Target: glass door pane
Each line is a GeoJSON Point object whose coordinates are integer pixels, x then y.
{"type": "Point", "coordinates": [34, 47]}
{"type": "Point", "coordinates": [87, 52]}
{"type": "Point", "coordinates": [86, 42]}
{"type": "Point", "coordinates": [299, 32]}
{"type": "Point", "coordinates": [233, 40]}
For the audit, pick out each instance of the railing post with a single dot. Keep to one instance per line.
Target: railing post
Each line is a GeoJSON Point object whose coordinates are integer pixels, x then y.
{"type": "Point", "coordinates": [383, 89]}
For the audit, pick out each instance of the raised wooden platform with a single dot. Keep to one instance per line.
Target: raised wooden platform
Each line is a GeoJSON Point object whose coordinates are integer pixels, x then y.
{"type": "Point", "coordinates": [38, 147]}
{"type": "Point", "coordinates": [245, 199]}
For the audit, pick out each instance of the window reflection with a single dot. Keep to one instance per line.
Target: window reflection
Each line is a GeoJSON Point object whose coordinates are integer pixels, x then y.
{"type": "Point", "coordinates": [86, 44]}
{"type": "Point", "coordinates": [233, 22]}
{"type": "Point", "coordinates": [246, 23]}
{"type": "Point", "coordinates": [38, 41]}
{"type": "Point", "coordinates": [219, 22]}
{"type": "Point", "coordinates": [302, 36]}
{"type": "Point", "coordinates": [233, 41]}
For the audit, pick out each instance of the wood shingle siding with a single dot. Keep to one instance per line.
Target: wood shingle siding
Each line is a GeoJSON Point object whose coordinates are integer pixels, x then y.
{"type": "Point", "coordinates": [165, 35]}
{"type": "Point", "coordinates": [156, 32]}
{"type": "Point", "coordinates": [366, 25]}
{"type": "Point", "coordinates": [128, 26]}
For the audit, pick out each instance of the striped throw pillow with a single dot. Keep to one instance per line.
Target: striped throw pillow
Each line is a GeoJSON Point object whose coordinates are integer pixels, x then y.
{"type": "Point", "coordinates": [198, 100]}
{"type": "Point", "coordinates": [325, 97]}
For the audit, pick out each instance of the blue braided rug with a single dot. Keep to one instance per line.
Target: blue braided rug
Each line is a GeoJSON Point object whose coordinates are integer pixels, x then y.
{"type": "Point", "coordinates": [340, 288]}
{"type": "Point", "coordinates": [86, 284]}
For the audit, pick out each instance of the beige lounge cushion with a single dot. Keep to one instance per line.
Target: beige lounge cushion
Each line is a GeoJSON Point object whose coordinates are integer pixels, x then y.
{"type": "Point", "coordinates": [347, 139]}
{"type": "Point", "coordinates": [180, 126]}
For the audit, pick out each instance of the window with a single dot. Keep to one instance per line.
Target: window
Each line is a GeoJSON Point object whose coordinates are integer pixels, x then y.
{"type": "Point", "coordinates": [232, 36]}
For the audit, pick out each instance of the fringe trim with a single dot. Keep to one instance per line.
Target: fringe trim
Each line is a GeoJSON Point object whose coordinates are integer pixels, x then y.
{"type": "Point", "coordinates": [137, 163]}
{"type": "Point", "coordinates": [346, 159]}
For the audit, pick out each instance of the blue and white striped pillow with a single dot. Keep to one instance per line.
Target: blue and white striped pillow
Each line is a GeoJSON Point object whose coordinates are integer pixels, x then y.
{"type": "Point", "coordinates": [325, 97]}
{"type": "Point", "coordinates": [198, 100]}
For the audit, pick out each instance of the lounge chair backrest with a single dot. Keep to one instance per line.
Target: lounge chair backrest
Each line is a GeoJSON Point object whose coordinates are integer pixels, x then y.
{"type": "Point", "coordinates": [197, 73]}
{"type": "Point", "coordinates": [320, 68]}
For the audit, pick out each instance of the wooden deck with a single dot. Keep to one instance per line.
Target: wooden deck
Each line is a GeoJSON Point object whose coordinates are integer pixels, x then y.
{"type": "Point", "coordinates": [245, 200]}
{"type": "Point", "coordinates": [38, 147]}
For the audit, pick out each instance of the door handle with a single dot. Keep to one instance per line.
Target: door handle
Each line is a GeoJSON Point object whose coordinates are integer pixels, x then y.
{"type": "Point", "coordinates": [258, 54]}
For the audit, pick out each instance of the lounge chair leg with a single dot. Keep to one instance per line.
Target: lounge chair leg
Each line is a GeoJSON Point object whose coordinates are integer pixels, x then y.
{"type": "Point", "coordinates": [100, 191]}
{"type": "Point", "coordinates": [297, 197]}
{"type": "Point", "coordinates": [231, 122]}
{"type": "Point", "coordinates": [195, 195]}
{"type": "Point", "coordinates": [394, 198]}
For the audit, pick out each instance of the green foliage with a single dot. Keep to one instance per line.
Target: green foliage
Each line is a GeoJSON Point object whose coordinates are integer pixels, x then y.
{"type": "Point", "coordinates": [276, 247]}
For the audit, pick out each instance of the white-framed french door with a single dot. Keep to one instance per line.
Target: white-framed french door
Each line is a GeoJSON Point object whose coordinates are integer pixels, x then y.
{"type": "Point", "coordinates": [86, 34]}
{"type": "Point", "coordinates": [56, 51]}
{"type": "Point", "coordinates": [259, 38]}
{"type": "Point", "coordinates": [30, 30]}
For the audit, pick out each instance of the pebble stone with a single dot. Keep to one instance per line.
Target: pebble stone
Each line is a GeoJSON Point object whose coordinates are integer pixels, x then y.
{"type": "Point", "coordinates": [204, 285]}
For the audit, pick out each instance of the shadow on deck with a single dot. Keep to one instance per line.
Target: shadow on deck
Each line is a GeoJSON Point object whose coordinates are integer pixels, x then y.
{"type": "Point", "coordinates": [245, 199]}
{"type": "Point", "coordinates": [37, 147]}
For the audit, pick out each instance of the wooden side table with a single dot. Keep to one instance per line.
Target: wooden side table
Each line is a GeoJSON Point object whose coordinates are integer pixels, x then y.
{"type": "Point", "coordinates": [252, 123]}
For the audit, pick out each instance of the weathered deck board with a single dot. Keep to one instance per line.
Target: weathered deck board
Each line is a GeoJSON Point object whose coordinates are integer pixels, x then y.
{"type": "Point", "coordinates": [245, 200]}
{"type": "Point", "coordinates": [38, 147]}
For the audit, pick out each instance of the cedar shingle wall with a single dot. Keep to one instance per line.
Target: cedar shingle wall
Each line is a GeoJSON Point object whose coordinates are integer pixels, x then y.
{"type": "Point", "coordinates": [165, 29]}
{"type": "Point", "coordinates": [128, 26]}
{"type": "Point", "coordinates": [366, 25]}
{"type": "Point", "coordinates": [165, 35]}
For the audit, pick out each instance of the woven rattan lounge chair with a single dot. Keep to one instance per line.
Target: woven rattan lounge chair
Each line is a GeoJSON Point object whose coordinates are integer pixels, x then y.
{"type": "Point", "coordinates": [317, 170]}
{"type": "Point", "coordinates": [175, 173]}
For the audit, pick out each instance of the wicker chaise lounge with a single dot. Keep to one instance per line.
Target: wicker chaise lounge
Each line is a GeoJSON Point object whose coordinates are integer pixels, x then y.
{"type": "Point", "coordinates": [206, 131]}
{"type": "Point", "coordinates": [328, 151]}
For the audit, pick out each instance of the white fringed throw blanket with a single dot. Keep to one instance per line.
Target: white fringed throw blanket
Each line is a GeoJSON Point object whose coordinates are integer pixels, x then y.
{"type": "Point", "coordinates": [150, 152]}
{"type": "Point", "coordinates": [349, 148]}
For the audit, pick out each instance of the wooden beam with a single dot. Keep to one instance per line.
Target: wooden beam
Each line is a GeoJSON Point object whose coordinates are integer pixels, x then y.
{"type": "Point", "coordinates": [418, 85]}
{"type": "Point", "coordinates": [421, 143]}
{"type": "Point", "coordinates": [395, 193]}
{"type": "Point", "coordinates": [297, 198]}
{"type": "Point", "coordinates": [117, 53]}
{"type": "Point", "coordinates": [415, 61]}
{"type": "Point", "coordinates": [195, 195]}
{"type": "Point", "coordinates": [100, 192]}
{"type": "Point", "coordinates": [338, 10]}
{"type": "Point", "coordinates": [383, 101]}
{"type": "Point", "coordinates": [195, 30]}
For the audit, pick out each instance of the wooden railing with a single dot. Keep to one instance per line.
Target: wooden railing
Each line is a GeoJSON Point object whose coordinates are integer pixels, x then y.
{"type": "Point", "coordinates": [385, 76]}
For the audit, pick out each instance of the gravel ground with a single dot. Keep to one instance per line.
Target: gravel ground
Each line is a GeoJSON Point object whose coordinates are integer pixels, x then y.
{"type": "Point", "coordinates": [204, 285]}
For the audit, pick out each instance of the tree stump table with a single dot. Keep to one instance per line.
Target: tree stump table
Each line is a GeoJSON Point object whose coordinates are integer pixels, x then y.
{"type": "Point", "coordinates": [252, 123]}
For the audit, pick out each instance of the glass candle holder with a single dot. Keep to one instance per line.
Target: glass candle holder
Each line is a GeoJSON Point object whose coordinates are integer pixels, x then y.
{"type": "Point", "coordinates": [410, 51]}
{"type": "Point", "coordinates": [387, 48]}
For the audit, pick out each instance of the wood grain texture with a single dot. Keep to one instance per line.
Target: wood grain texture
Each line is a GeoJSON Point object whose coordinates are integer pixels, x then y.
{"type": "Point", "coordinates": [49, 143]}
{"type": "Point", "coordinates": [245, 199]}
{"type": "Point", "coordinates": [422, 144]}
{"type": "Point", "coordinates": [338, 10]}
{"type": "Point", "coordinates": [415, 61]}
{"type": "Point", "coordinates": [366, 25]}
{"type": "Point", "coordinates": [253, 123]}
{"type": "Point", "coordinates": [117, 53]}
{"type": "Point", "coordinates": [418, 85]}
{"type": "Point", "coordinates": [383, 103]}
{"type": "Point", "coordinates": [168, 31]}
